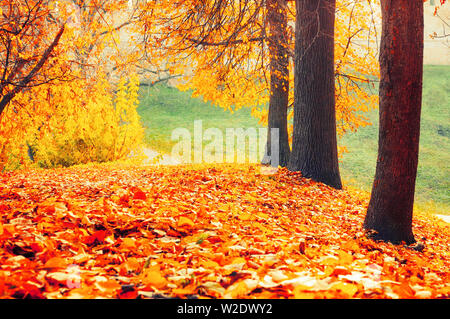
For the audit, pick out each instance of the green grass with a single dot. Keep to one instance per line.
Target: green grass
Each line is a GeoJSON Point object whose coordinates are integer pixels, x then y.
{"type": "Point", "coordinates": [163, 109]}
{"type": "Point", "coordinates": [433, 176]}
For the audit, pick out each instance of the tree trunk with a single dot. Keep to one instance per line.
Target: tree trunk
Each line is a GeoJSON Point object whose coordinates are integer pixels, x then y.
{"type": "Point", "coordinates": [314, 148]}
{"type": "Point", "coordinates": [279, 80]}
{"type": "Point", "coordinates": [401, 62]}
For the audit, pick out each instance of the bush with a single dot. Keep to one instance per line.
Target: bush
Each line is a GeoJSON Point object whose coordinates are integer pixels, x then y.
{"type": "Point", "coordinates": [78, 123]}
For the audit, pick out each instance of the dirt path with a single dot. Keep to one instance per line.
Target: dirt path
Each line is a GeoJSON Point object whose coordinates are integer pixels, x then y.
{"type": "Point", "coordinates": [445, 218]}
{"type": "Point", "coordinates": [155, 158]}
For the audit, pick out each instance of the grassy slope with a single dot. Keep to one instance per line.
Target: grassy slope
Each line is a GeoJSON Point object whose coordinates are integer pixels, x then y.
{"type": "Point", "coordinates": [433, 180]}
{"type": "Point", "coordinates": [163, 109]}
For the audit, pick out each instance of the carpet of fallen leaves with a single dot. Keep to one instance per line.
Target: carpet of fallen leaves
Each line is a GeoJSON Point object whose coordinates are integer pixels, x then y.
{"type": "Point", "coordinates": [203, 232]}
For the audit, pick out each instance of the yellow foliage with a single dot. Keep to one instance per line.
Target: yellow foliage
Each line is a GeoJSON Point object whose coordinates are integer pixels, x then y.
{"type": "Point", "coordinates": [238, 75]}
{"type": "Point", "coordinates": [72, 123]}
{"type": "Point", "coordinates": [73, 116]}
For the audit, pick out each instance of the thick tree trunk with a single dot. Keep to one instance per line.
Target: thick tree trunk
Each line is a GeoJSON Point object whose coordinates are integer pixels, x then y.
{"type": "Point", "coordinates": [314, 149]}
{"type": "Point", "coordinates": [279, 80]}
{"type": "Point", "coordinates": [401, 61]}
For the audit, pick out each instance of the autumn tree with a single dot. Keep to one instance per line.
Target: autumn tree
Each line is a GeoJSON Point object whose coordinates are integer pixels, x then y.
{"type": "Point", "coordinates": [314, 149]}
{"type": "Point", "coordinates": [105, 36]}
{"type": "Point", "coordinates": [389, 215]}
{"type": "Point", "coordinates": [75, 115]}
{"type": "Point", "coordinates": [240, 54]}
{"type": "Point", "coordinates": [28, 38]}
{"type": "Point", "coordinates": [232, 40]}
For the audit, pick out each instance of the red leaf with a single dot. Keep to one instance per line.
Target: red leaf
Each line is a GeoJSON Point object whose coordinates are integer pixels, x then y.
{"type": "Point", "coordinates": [139, 194]}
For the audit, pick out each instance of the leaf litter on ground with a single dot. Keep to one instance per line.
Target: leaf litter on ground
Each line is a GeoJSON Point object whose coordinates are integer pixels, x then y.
{"type": "Point", "coordinates": [228, 231]}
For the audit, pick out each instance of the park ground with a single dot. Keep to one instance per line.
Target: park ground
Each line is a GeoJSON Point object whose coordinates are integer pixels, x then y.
{"type": "Point", "coordinates": [203, 231]}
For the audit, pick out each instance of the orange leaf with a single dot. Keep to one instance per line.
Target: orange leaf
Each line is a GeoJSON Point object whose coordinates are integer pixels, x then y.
{"type": "Point", "coordinates": [154, 278]}
{"type": "Point", "coordinates": [56, 262]}
{"type": "Point", "coordinates": [128, 243]}
{"type": "Point", "coordinates": [184, 221]}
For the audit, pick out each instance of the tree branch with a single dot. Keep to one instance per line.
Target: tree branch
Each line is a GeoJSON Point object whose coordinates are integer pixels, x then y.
{"type": "Point", "coordinates": [19, 86]}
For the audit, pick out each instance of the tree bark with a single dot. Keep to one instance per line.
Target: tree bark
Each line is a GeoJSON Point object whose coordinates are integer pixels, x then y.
{"type": "Point", "coordinates": [314, 149]}
{"type": "Point", "coordinates": [279, 80]}
{"type": "Point", "coordinates": [390, 210]}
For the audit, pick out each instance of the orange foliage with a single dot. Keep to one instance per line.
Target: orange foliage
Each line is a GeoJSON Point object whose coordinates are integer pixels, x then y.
{"type": "Point", "coordinates": [229, 65]}
{"type": "Point", "coordinates": [124, 232]}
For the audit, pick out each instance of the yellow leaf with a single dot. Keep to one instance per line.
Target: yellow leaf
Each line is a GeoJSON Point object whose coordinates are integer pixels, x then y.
{"type": "Point", "coordinates": [184, 221]}
{"type": "Point", "coordinates": [183, 291]}
{"type": "Point", "coordinates": [237, 290]}
{"type": "Point", "coordinates": [154, 278]}
{"type": "Point", "coordinates": [238, 260]}
{"type": "Point", "coordinates": [345, 258]}
{"type": "Point", "coordinates": [302, 292]}
{"type": "Point", "coordinates": [263, 215]}
{"type": "Point", "coordinates": [329, 261]}
{"type": "Point", "coordinates": [349, 290]}
{"type": "Point", "coordinates": [210, 264]}
{"type": "Point", "coordinates": [245, 216]}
